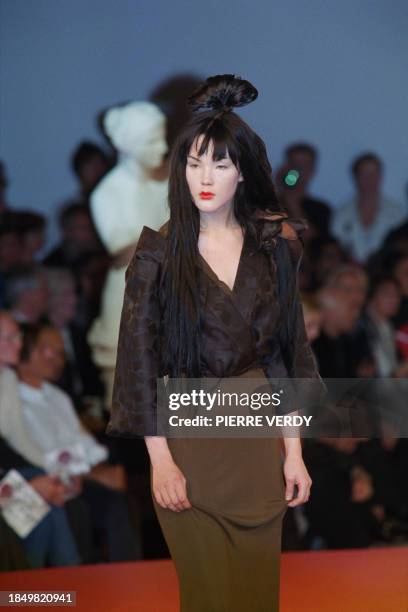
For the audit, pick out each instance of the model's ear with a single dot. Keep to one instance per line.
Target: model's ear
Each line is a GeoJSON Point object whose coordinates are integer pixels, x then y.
{"type": "Point", "coordinates": [240, 178]}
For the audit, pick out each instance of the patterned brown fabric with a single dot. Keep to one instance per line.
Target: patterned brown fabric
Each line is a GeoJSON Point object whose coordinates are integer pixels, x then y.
{"type": "Point", "coordinates": [239, 327]}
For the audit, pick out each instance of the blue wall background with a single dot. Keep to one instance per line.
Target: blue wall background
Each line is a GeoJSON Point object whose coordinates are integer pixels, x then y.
{"type": "Point", "coordinates": [334, 73]}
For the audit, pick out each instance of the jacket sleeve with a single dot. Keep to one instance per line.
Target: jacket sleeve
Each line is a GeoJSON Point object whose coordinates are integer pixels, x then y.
{"type": "Point", "coordinates": [133, 411]}
{"type": "Point", "coordinates": [282, 239]}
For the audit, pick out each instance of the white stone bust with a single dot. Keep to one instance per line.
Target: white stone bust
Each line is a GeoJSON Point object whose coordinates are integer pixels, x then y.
{"type": "Point", "coordinates": [127, 198]}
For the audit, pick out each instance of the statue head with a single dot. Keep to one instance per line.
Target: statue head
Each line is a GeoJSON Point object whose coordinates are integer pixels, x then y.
{"type": "Point", "coordinates": [138, 129]}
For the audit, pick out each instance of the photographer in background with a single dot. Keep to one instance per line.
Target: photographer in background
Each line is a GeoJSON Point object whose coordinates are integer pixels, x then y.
{"type": "Point", "coordinates": [293, 181]}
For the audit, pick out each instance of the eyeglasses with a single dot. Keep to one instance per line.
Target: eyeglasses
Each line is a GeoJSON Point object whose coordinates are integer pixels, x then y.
{"type": "Point", "coordinates": [17, 337]}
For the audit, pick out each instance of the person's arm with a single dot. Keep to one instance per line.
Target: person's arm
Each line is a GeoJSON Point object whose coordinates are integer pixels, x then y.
{"type": "Point", "coordinates": [134, 401]}
{"type": "Point", "coordinates": [168, 482]}
{"type": "Point", "coordinates": [283, 236]}
{"type": "Point", "coordinates": [47, 487]}
{"type": "Point", "coordinates": [307, 380]}
{"type": "Point", "coordinates": [10, 458]}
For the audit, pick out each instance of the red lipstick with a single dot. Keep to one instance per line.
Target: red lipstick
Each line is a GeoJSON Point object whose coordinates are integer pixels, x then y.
{"type": "Point", "coordinates": [206, 195]}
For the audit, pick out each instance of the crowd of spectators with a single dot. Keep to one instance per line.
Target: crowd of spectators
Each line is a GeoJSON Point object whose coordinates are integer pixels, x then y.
{"type": "Point", "coordinates": [354, 289]}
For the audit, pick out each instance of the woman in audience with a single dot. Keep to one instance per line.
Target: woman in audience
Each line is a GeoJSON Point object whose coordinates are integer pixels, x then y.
{"type": "Point", "coordinates": [383, 304]}
{"type": "Point", "coordinates": [52, 541]}
{"type": "Point", "coordinates": [80, 377]}
{"type": "Point", "coordinates": [54, 426]}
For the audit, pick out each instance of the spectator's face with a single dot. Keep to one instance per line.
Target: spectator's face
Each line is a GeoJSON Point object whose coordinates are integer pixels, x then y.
{"type": "Point", "coordinates": [349, 312]}
{"type": "Point", "coordinates": [10, 341]}
{"type": "Point", "coordinates": [62, 304]}
{"type": "Point", "coordinates": [34, 241]}
{"type": "Point", "coordinates": [38, 297]}
{"type": "Point", "coordinates": [91, 172]}
{"type": "Point", "coordinates": [343, 310]}
{"type": "Point", "coordinates": [10, 250]}
{"type": "Point", "coordinates": [80, 231]}
{"type": "Point", "coordinates": [304, 163]}
{"type": "Point", "coordinates": [401, 275]}
{"type": "Point", "coordinates": [312, 324]}
{"type": "Point", "coordinates": [368, 177]}
{"type": "Point", "coordinates": [354, 287]}
{"type": "Point", "coordinates": [387, 299]}
{"type": "Point", "coordinates": [47, 359]}
{"type": "Point", "coordinates": [330, 257]}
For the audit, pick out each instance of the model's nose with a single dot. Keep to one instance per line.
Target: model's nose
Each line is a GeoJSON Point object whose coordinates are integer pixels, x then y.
{"type": "Point", "coordinates": [207, 176]}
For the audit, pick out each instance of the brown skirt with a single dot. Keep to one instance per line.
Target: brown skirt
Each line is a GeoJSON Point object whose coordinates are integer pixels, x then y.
{"type": "Point", "coordinates": [226, 548]}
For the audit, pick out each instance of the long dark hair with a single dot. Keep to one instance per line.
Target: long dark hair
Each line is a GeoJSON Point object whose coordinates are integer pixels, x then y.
{"type": "Point", "coordinates": [213, 119]}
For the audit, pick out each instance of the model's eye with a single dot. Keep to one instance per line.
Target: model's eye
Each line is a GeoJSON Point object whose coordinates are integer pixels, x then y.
{"type": "Point", "coordinates": [222, 166]}
{"type": "Point", "coordinates": [192, 165]}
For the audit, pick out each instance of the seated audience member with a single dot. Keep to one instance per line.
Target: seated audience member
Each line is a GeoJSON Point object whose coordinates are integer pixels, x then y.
{"type": "Point", "coordinates": [312, 317]}
{"type": "Point", "coordinates": [342, 512]}
{"type": "Point", "coordinates": [351, 280]}
{"type": "Point", "coordinates": [362, 224]}
{"type": "Point", "coordinates": [397, 239]}
{"type": "Point", "coordinates": [51, 542]}
{"type": "Point", "coordinates": [10, 247]}
{"type": "Point", "coordinates": [302, 157]}
{"type": "Point", "coordinates": [80, 377]}
{"type": "Point", "coordinates": [383, 304]}
{"type": "Point", "coordinates": [294, 522]}
{"type": "Point", "coordinates": [90, 273]}
{"type": "Point", "coordinates": [54, 426]}
{"type": "Point", "coordinates": [3, 188]}
{"type": "Point", "coordinates": [89, 164]}
{"type": "Point", "coordinates": [79, 237]}
{"type": "Point", "coordinates": [31, 228]}
{"type": "Point", "coordinates": [325, 254]}
{"type": "Point", "coordinates": [335, 348]}
{"type": "Point", "coordinates": [399, 271]}
{"type": "Point", "coordinates": [26, 294]}
{"type": "Point", "coordinates": [12, 555]}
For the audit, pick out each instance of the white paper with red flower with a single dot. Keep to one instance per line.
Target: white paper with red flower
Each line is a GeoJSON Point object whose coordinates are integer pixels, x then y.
{"type": "Point", "coordinates": [21, 506]}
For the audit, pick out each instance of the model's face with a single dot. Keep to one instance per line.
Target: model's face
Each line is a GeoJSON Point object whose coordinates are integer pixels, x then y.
{"type": "Point", "coordinates": [212, 183]}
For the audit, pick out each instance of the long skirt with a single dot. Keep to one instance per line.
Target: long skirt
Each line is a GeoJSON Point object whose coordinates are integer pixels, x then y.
{"type": "Point", "coordinates": [226, 548]}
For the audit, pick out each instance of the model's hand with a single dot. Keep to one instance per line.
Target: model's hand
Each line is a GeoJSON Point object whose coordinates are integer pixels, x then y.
{"type": "Point", "coordinates": [296, 473]}
{"type": "Point", "coordinates": [169, 486]}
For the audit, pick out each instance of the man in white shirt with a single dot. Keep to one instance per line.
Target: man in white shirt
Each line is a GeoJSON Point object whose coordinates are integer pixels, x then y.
{"type": "Point", "coordinates": [362, 223]}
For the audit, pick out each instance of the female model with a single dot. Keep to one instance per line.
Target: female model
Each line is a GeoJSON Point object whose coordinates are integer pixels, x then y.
{"type": "Point", "coordinates": [214, 294]}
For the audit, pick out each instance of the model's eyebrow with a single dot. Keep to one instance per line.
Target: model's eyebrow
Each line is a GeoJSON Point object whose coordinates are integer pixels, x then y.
{"type": "Point", "coordinates": [216, 160]}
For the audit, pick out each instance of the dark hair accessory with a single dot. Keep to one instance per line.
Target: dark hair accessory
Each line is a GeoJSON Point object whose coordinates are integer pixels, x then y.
{"type": "Point", "coordinates": [222, 93]}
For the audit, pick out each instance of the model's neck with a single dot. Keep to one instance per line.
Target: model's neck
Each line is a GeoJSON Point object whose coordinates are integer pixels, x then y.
{"type": "Point", "coordinates": [218, 221]}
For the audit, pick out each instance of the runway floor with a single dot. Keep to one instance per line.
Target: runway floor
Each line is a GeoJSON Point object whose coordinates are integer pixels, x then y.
{"type": "Point", "coordinates": [374, 580]}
